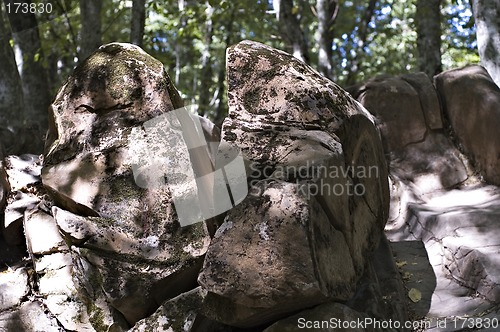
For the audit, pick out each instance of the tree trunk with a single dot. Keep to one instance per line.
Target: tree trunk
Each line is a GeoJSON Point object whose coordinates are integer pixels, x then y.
{"type": "Point", "coordinates": [326, 11]}
{"type": "Point", "coordinates": [355, 66]}
{"type": "Point", "coordinates": [206, 64]}
{"type": "Point", "coordinates": [428, 20]}
{"type": "Point", "coordinates": [181, 5]}
{"type": "Point", "coordinates": [486, 15]}
{"type": "Point", "coordinates": [138, 21]}
{"type": "Point", "coordinates": [33, 75]}
{"type": "Point", "coordinates": [221, 108]}
{"type": "Point", "coordinates": [290, 30]}
{"type": "Point", "coordinates": [11, 94]}
{"type": "Point", "coordinates": [91, 35]}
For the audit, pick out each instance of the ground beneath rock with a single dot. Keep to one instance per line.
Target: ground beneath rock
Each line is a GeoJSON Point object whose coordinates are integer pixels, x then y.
{"type": "Point", "coordinates": [448, 253]}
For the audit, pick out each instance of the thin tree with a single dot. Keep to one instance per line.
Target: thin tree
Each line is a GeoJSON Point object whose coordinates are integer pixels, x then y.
{"type": "Point", "coordinates": [33, 73]}
{"type": "Point", "coordinates": [290, 28]}
{"type": "Point", "coordinates": [487, 17]}
{"type": "Point", "coordinates": [138, 22]}
{"type": "Point", "coordinates": [428, 20]}
{"type": "Point", "coordinates": [11, 93]}
{"type": "Point", "coordinates": [90, 34]}
{"type": "Point", "coordinates": [326, 12]}
{"type": "Point", "coordinates": [359, 48]}
{"type": "Point", "coordinates": [206, 62]}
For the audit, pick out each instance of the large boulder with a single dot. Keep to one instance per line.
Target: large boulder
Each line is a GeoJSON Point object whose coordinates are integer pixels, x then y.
{"type": "Point", "coordinates": [443, 217]}
{"type": "Point", "coordinates": [275, 253]}
{"type": "Point", "coordinates": [116, 89]}
{"type": "Point", "coordinates": [471, 102]}
{"type": "Point", "coordinates": [422, 158]}
{"type": "Point", "coordinates": [129, 251]}
{"type": "Point", "coordinates": [406, 107]}
{"type": "Point", "coordinates": [308, 146]}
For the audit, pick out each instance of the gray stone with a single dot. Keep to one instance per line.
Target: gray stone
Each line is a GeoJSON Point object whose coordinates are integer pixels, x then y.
{"type": "Point", "coordinates": [396, 105]}
{"type": "Point", "coordinates": [461, 235]}
{"type": "Point", "coordinates": [175, 315]}
{"type": "Point", "coordinates": [471, 88]}
{"type": "Point", "coordinates": [275, 253]}
{"type": "Point", "coordinates": [29, 317]}
{"type": "Point", "coordinates": [14, 215]}
{"type": "Point", "coordinates": [429, 100]}
{"type": "Point", "coordinates": [13, 287]}
{"type": "Point", "coordinates": [42, 233]}
{"type": "Point", "coordinates": [287, 119]}
{"type": "Point", "coordinates": [136, 273]}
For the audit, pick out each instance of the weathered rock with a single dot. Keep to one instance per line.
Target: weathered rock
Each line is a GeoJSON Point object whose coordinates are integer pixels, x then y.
{"type": "Point", "coordinates": [471, 101]}
{"type": "Point", "coordinates": [175, 315]}
{"type": "Point", "coordinates": [13, 288]}
{"type": "Point", "coordinates": [136, 273]}
{"type": "Point", "coordinates": [42, 234]}
{"type": "Point", "coordinates": [4, 184]}
{"type": "Point", "coordinates": [23, 170]}
{"type": "Point", "coordinates": [275, 253]}
{"type": "Point", "coordinates": [429, 99]}
{"type": "Point", "coordinates": [326, 317]}
{"type": "Point", "coordinates": [436, 197]}
{"type": "Point", "coordinates": [56, 284]}
{"type": "Point", "coordinates": [405, 107]}
{"type": "Point", "coordinates": [380, 292]}
{"type": "Point", "coordinates": [430, 165]}
{"type": "Point", "coordinates": [459, 229]}
{"type": "Point", "coordinates": [25, 194]}
{"type": "Point", "coordinates": [307, 145]}
{"type": "Point", "coordinates": [87, 160]}
{"type": "Point", "coordinates": [129, 252]}
{"type": "Point", "coordinates": [71, 314]}
{"type": "Point", "coordinates": [29, 317]}
{"type": "Point", "coordinates": [288, 119]}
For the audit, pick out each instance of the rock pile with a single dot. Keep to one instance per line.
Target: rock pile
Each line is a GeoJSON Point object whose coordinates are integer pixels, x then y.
{"type": "Point", "coordinates": [109, 245]}
{"type": "Point", "coordinates": [443, 152]}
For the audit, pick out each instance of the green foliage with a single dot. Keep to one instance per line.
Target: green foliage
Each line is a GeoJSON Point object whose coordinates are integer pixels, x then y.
{"type": "Point", "coordinates": [177, 34]}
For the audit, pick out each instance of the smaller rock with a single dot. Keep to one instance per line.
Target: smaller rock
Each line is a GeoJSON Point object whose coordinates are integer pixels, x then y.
{"type": "Point", "coordinates": [56, 277]}
{"type": "Point", "coordinates": [175, 315]}
{"type": "Point", "coordinates": [23, 170]}
{"type": "Point", "coordinates": [276, 252]}
{"type": "Point", "coordinates": [29, 317]}
{"type": "Point", "coordinates": [477, 269]}
{"type": "Point", "coordinates": [42, 233]}
{"type": "Point", "coordinates": [396, 105]}
{"type": "Point", "coordinates": [70, 313]}
{"type": "Point", "coordinates": [471, 101]}
{"type": "Point", "coordinates": [14, 287]}
{"type": "Point", "coordinates": [24, 177]}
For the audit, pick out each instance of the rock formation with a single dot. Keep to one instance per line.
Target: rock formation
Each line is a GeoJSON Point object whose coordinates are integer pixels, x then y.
{"type": "Point", "coordinates": [108, 246]}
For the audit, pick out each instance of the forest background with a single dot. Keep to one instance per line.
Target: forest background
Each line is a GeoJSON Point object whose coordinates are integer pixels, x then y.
{"type": "Point", "coordinates": [348, 41]}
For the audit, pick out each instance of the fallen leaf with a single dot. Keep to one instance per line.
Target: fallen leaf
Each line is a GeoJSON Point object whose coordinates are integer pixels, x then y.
{"type": "Point", "coordinates": [415, 295]}
{"type": "Point", "coordinates": [400, 264]}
